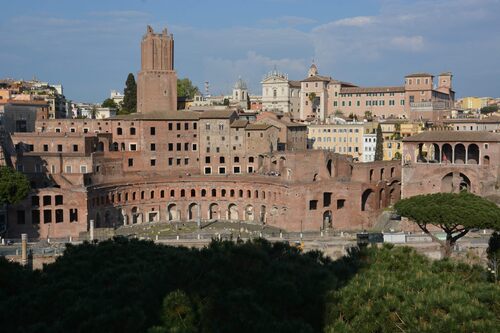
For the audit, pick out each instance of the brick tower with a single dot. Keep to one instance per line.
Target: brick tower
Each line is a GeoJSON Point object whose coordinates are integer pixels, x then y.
{"type": "Point", "coordinates": [157, 80]}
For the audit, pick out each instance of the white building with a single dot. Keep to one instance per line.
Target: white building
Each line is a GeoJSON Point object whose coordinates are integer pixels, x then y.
{"type": "Point", "coordinates": [280, 95]}
{"type": "Point", "coordinates": [369, 146]}
{"type": "Point", "coordinates": [117, 97]}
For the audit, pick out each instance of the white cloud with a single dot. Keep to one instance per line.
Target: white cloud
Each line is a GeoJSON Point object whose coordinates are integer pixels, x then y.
{"type": "Point", "coordinates": [357, 21]}
{"type": "Point", "coordinates": [412, 43]}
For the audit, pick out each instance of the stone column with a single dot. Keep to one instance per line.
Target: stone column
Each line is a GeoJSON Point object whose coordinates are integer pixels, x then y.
{"type": "Point", "coordinates": [24, 249]}
{"type": "Point", "coordinates": [91, 230]}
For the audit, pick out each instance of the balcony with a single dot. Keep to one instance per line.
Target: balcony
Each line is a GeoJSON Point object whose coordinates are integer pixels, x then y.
{"type": "Point", "coordinates": [430, 106]}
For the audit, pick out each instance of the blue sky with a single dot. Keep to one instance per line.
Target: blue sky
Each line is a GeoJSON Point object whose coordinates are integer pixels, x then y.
{"type": "Point", "coordinates": [90, 46]}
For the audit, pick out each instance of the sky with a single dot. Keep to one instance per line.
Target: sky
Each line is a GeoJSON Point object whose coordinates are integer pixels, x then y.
{"type": "Point", "coordinates": [90, 46]}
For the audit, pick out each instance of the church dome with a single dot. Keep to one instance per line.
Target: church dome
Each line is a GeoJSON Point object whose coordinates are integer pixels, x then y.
{"type": "Point", "coordinates": [240, 84]}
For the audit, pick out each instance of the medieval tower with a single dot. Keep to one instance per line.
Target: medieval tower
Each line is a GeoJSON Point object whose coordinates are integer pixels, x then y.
{"type": "Point", "coordinates": [157, 80]}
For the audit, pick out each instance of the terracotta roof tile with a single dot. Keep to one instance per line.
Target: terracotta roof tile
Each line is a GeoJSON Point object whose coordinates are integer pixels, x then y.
{"type": "Point", "coordinates": [454, 136]}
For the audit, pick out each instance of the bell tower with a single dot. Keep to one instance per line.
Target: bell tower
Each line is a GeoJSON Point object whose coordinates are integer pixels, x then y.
{"type": "Point", "coordinates": [157, 80]}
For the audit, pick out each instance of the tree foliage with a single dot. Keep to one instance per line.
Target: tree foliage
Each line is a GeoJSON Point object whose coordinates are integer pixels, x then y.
{"type": "Point", "coordinates": [130, 95]}
{"type": "Point", "coordinates": [454, 213]}
{"type": "Point", "coordinates": [185, 88]}
{"type": "Point", "coordinates": [109, 103]}
{"type": "Point", "coordinates": [379, 147]}
{"type": "Point", "coordinates": [14, 186]}
{"type": "Point", "coordinates": [138, 286]}
{"type": "Point", "coordinates": [399, 290]}
{"type": "Point", "coordinates": [489, 109]}
{"type": "Point", "coordinates": [120, 286]}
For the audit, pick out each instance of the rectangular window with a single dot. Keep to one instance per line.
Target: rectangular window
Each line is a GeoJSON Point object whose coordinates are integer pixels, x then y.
{"type": "Point", "coordinates": [68, 168]}
{"type": "Point", "coordinates": [59, 200]}
{"type": "Point", "coordinates": [250, 169]}
{"type": "Point", "coordinates": [75, 148]}
{"type": "Point", "coordinates": [133, 147]}
{"type": "Point", "coordinates": [170, 147]}
{"type": "Point", "coordinates": [59, 216]}
{"type": "Point", "coordinates": [21, 218]}
{"type": "Point", "coordinates": [83, 169]}
{"type": "Point", "coordinates": [208, 170]}
{"type": "Point", "coordinates": [236, 169]}
{"type": "Point", "coordinates": [73, 215]}
{"type": "Point", "coordinates": [170, 126]}
{"type": "Point", "coordinates": [47, 216]}
{"type": "Point", "coordinates": [45, 147]}
{"type": "Point", "coordinates": [152, 130]}
{"type": "Point", "coordinates": [195, 147]}
{"type": "Point", "coordinates": [207, 159]}
{"type": "Point", "coordinates": [130, 162]}
{"type": "Point", "coordinates": [222, 171]}
{"type": "Point", "coordinates": [186, 126]}
{"type": "Point", "coordinates": [179, 146]}
{"type": "Point", "coordinates": [47, 200]}
{"type": "Point", "coordinates": [170, 161]}
{"type": "Point", "coordinates": [59, 148]}
{"type": "Point", "coordinates": [35, 217]}
{"type": "Point", "coordinates": [178, 161]}
{"type": "Point", "coordinates": [152, 162]}
{"type": "Point", "coordinates": [35, 201]}
{"type": "Point", "coordinates": [186, 146]}
{"type": "Point", "coordinates": [178, 126]}
{"type": "Point", "coordinates": [313, 204]}
{"type": "Point", "coordinates": [186, 161]}
{"type": "Point", "coordinates": [153, 147]}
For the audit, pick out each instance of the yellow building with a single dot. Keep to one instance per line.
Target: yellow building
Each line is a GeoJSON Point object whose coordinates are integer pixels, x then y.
{"type": "Point", "coordinates": [472, 103]}
{"type": "Point", "coordinates": [393, 132]}
{"type": "Point", "coordinates": [344, 138]}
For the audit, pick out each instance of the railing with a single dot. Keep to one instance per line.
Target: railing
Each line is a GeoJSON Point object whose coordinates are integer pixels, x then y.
{"type": "Point", "coordinates": [429, 106]}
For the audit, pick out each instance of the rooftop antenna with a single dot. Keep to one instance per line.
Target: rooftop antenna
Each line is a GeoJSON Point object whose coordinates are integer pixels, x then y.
{"type": "Point", "coordinates": [207, 88]}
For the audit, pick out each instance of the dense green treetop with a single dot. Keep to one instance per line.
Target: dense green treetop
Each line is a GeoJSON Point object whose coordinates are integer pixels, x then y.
{"type": "Point", "coordinates": [489, 109]}
{"type": "Point", "coordinates": [379, 146]}
{"type": "Point", "coordinates": [130, 95]}
{"type": "Point", "coordinates": [14, 186]}
{"type": "Point", "coordinates": [109, 103]}
{"type": "Point", "coordinates": [454, 213]}
{"type": "Point", "coordinates": [185, 88]}
{"type": "Point", "coordinates": [138, 286]}
{"type": "Point", "coordinates": [399, 290]}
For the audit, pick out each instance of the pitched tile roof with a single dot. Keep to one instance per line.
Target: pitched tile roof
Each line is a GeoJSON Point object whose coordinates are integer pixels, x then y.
{"type": "Point", "coordinates": [454, 136]}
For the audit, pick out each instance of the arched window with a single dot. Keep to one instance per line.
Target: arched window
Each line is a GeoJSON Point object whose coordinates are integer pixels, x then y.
{"type": "Point", "coordinates": [152, 194]}
{"type": "Point", "coordinates": [214, 192]}
{"type": "Point", "coordinates": [172, 193]}
{"type": "Point", "coordinates": [193, 193]}
{"type": "Point", "coordinates": [183, 193]}
{"type": "Point", "coordinates": [203, 192]}
{"type": "Point", "coordinates": [119, 131]}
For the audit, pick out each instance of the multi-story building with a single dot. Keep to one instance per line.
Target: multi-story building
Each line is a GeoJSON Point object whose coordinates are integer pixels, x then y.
{"type": "Point", "coordinates": [341, 137]}
{"type": "Point", "coordinates": [323, 96]}
{"type": "Point", "coordinates": [451, 161]}
{"type": "Point", "coordinates": [169, 165]}
{"type": "Point", "coordinates": [369, 147]}
{"type": "Point", "coordinates": [281, 95]}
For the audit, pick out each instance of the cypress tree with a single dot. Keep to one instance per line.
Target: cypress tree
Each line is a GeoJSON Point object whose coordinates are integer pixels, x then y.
{"type": "Point", "coordinates": [379, 148]}
{"type": "Point", "coordinates": [130, 92]}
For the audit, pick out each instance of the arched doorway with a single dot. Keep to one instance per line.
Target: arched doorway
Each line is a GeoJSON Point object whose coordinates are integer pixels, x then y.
{"type": "Point", "coordinates": [472, 154]}
{"type": "Point", "coordinates": [381, 197]}
{"type": "Point", "coordinates": [447, 183]}
{"type": "Point", "coordinates": [213, 211]}
{"type": "Point", "coordinates": [447, 153]}
{"type": "Point", "coordinates": [464, 184]}
{"type": "Point", "coordinates": [263, 215]}
{"type": "Point", "coordinates": [368, 200]}
{"type": "Point", "coordinates": [172, 213]}
{"type": "Point", "coordinates": [459, 154]}
{"type": "Point", "coordinates": [327, 220]}
{"type": "Point", "coordinates": [329, 167]}
{"type": "Point", "coordinates": [249, 213]}
{"type": "Point", "coordinates": [193, 211]}
{"type": "Point", "coordinates": [232, 212]}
